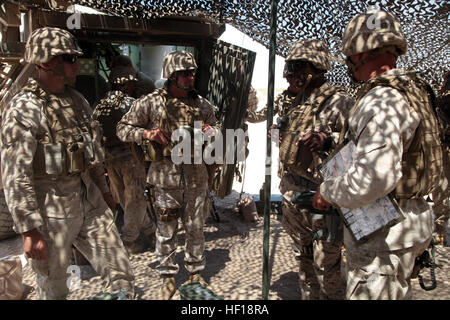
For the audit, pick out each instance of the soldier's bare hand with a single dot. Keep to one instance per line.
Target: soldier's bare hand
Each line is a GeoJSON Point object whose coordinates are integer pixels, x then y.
{"type": "Point", "coordinates": [313, 140]}
{"type": "Point", "coordinates": [208, 131]}
{"type": "Point", "coordinates": [157, 135]}
{"type": "Point", "coordinates": [206, 127]}
{"type": "Point", "coordinates": [34, 245]}
{"type": "Point", "coordinates": [319, 202]}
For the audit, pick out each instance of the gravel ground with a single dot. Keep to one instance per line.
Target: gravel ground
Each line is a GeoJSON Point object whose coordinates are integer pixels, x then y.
{"type": "Point", "coordinates": [234, 265]}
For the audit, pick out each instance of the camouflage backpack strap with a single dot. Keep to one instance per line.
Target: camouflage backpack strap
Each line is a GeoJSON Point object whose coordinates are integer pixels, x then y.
{"type": "Point", "coordinates": [323, 96]}
{"type": "Point", "coordinates": [32, 86]}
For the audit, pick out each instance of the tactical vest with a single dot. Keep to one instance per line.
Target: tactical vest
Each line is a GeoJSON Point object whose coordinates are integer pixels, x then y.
{"type": "Point", "coordinates": [72, 144]}
{"type": "Point", "coordinates": [301, 119]}
{"type": "Point", "coordinates": [286, 103]}
{"type": "Point", "coordinates": [108, 112]}
{"type": "Point", "coordinates": [422, 162]}
{"type": "Point", "coordinates": [176, 113]}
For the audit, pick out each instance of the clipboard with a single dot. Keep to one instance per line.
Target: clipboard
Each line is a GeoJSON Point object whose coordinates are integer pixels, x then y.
{"type": "Point", "coordinates": [366, 221]}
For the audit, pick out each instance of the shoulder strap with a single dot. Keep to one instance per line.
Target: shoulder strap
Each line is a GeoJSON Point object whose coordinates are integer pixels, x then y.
{"type": "Point", "coordinates": [322, 97]}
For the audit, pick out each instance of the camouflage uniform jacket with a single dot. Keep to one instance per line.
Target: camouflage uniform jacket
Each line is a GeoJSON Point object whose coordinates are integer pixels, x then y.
{"type": "Point", "coordinates": [282, 104]}
{"type": "Point", "coordinates": [384, 129]}
{"type": "Point", "coordinates": [146, 113]}
{"type": "Point", "coordinates": [25, 123]}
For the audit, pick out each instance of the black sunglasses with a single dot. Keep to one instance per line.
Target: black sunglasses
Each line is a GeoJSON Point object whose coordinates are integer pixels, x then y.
{"type": "Point", "coordinates": [186, 73]}
{"type": "Point", "coordinates": [296, 66]}
{"type": "Point", "coordinates": [69, 58]}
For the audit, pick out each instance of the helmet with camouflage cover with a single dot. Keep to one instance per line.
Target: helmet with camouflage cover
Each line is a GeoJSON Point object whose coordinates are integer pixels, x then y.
{"type": "Point", "coordinates": [372, 30]}
{"type": "Point", "coordinates": [122, 74]}
{"type": "Point", "coordinates": [310, 50]}
{"type": "Point", "coordinates": [178, 61]}
{"type": "Point", "coordinates": [46, 43]}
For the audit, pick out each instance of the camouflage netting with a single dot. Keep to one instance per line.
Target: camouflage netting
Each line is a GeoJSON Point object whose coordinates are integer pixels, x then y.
{"type": "Point", "coordinates": [425, 24]}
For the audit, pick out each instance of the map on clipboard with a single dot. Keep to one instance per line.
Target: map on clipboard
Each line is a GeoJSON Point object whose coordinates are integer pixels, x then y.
{"type": "Point", "coordinates": [367, 220]}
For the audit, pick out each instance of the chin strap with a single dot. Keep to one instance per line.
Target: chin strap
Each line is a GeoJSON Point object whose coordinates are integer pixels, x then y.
{"type": "Point", "coordinates": [353, 67]}
{"type": "Point", "coordinates": [59, 71]}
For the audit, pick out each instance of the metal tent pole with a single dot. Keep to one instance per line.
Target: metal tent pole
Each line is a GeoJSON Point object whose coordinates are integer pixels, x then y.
{"type": "Point", "coordinates": [268, 167]}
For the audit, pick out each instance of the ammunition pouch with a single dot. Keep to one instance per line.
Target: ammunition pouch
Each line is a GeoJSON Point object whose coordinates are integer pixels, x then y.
{"type": "Point", "coordinates": [153, 151]}
{"type": "Point", "coordinates": [166, 214]}
{"type": "Point", "coordinates": [297, 158]}
{"type": "Point", "coordinates": [187, 133]}
{"type": "Point", "coordinates": [147, 152]}
{"type": "Point", "coordinates": [66, 159]}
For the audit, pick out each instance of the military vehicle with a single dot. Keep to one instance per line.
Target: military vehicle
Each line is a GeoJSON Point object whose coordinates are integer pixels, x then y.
{"type": "Point", "coordinates": [223, 77]}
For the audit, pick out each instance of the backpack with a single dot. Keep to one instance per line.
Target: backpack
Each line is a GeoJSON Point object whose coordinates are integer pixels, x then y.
{"type": "Point", "coordinates": [108, 113]}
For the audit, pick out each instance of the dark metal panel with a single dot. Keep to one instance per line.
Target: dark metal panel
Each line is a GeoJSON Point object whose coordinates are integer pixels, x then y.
{"type": "Point", "coordinates": [230, 76]}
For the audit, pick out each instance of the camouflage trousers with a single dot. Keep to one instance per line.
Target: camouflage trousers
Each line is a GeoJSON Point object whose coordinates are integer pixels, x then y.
{"type": "Point", "coordinates": [95, 235]}
{"type": "Point", "coordinates": [320, 261]}
{"type": "Point", "coordinates": [380, 275]}
{"type": "Point", "coordinates": [189, 205]}
{"type": "Point", "coordinates": [127, 183]}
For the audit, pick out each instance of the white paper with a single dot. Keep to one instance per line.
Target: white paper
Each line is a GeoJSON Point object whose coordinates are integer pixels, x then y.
{"type": "Point", "coordinates": [363, 221]}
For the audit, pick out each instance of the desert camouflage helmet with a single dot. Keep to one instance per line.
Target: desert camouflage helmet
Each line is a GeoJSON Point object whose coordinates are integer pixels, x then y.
{"type": "Point", "coordinates": [122, 74]}
{"type": "Point", "coordinates": [178, 61]}
{"type": "Point", "coordinates": [311, 50]}
{"type": "Point", "coordinates": [372, 30]}
{"type": "Point", "coordinates": [46, 43]}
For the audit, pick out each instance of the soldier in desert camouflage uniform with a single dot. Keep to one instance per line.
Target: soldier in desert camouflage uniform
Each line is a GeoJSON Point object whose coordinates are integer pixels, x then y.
{"type": "Point", "coordinates": [313, 113]}
{"type": "Point", "coordinates": [52, 173]}
{"type": "Point", "coordinates": [126, 175]}
{"type": "Point", "coordinates": [144, 84]}
{"type": "Point", "coordinates": [397, 151]}
{"type": "Point", "coordinates": [180, 190]}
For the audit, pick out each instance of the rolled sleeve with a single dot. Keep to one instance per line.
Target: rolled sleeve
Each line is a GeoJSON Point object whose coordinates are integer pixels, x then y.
{"type": "Point", "coordinates": [142, 115]}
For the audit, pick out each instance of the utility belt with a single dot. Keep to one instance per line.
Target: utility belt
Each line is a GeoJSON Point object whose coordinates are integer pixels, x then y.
{"type": "Point", "coordinates": [66, 159]}
{"type": "Point", "coordinates": [300, 181]}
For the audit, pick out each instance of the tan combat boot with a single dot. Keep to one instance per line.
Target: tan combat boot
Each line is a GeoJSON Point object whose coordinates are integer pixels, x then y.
{"type": "Point", "coordinates": [168, 288]}
{"type": "Point", "coordinates": [196, 277]}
